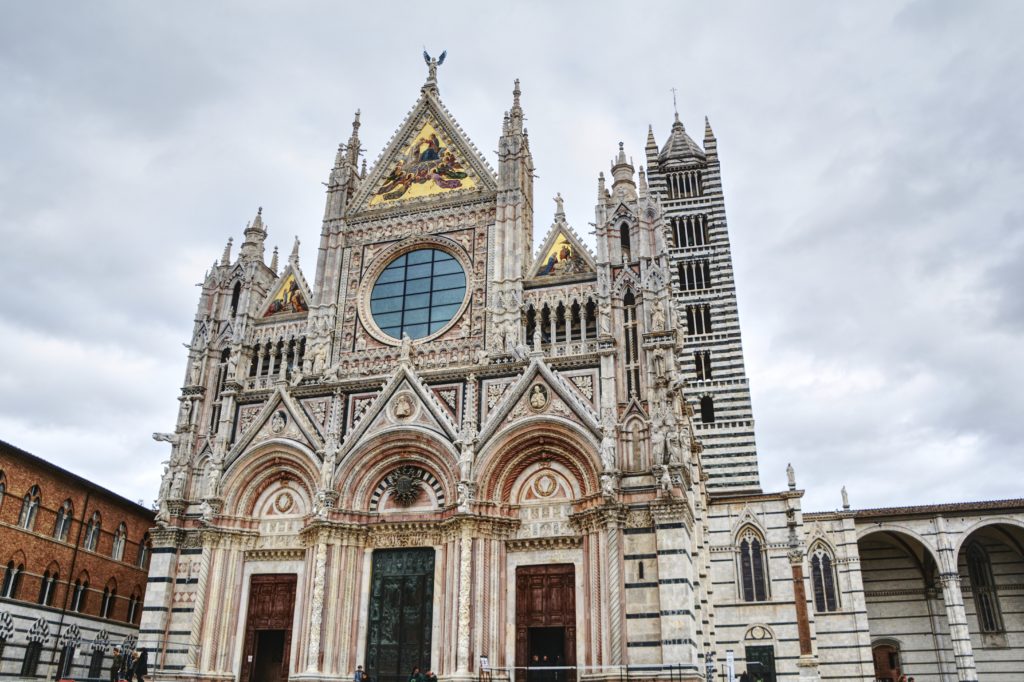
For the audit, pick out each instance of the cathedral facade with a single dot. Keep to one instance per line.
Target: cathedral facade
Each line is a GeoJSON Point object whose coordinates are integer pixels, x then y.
{"type": "Point", "coordinates": [451, 452]}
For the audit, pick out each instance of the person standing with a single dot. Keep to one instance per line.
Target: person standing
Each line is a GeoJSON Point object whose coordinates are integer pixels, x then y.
{"type": "Point", "coordinates": [359, 674]}
{"type": "Point", "coordinates": [115, 665]}
{"type": "Point", "coordinates": [141, 665]}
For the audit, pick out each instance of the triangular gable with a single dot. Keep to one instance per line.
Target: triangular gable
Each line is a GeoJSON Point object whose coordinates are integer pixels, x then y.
{"type": "Point", "coordinates": [289, 295]}
{"type": "Point", "coordinates": [514, 396]}
{"type": "Point", "coordinates": [424, 410]}
{"type": "Point", "coordinates": [292, 423]}
{"type": "Point", "coordinates": [429, 158]}
{"type": "Point", "coordinates": [562, 254]}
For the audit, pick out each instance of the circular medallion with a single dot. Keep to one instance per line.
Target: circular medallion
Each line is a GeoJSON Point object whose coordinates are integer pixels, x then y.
{"type": "Point", "coordinates": [402, 407]}
{"type": "Point", "coordinates": [545, 485]}
{"type": "Point", "coordinates": [284, 502]}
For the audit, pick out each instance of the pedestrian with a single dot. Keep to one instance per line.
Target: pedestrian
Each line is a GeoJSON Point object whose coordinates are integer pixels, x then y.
{"type": "Point", "coordinates": [359, 675]}
{"type": "Point", "coordinates": [745, 677]}
{"type": "Point", "coordinates": [415, 675]}
{"type": "Point", "coordinates": [115, 665]}
{"type": "Point", "coordinates": [141, 665]}
{"type": "Point", "coordinates": [430, 676]}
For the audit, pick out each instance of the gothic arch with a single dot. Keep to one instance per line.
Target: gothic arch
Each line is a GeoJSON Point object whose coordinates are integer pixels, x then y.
{"type": "Point", "coordinates": [365, 469]}
{"type": "Point", "coordinates": [537, 439]}
{"type": "Point", "coordinates": [253, 472]}
{"type": "Point", "coordinates": [966, 533]}
{"type": "Point", "coordinates": [897, 530]}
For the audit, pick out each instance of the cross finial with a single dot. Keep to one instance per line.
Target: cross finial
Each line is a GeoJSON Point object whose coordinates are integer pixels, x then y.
{"type": "Point", "coordinates": [675, 106]}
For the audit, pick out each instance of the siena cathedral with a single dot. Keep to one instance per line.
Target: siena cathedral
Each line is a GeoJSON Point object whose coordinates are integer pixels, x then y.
{"type": "Point", "coordinates": [449, 451]}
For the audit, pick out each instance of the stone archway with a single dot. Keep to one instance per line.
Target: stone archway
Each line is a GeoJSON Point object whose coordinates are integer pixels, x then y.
{"type": "Point", "coordinates": [902, 585]}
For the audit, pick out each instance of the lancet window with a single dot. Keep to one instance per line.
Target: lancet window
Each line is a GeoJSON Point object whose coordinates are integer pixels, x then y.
{"type": "Point", "coordinates": [29, 508]}
{"type": "Point", "coordinates": [143, 554]}
{"type": "Point", "coordinates": [92, 532]}
{"type": "Point", "coordinates": [109, 595]}
{"type": "Point", "coordinates": [752, 577]}
{"type": "Point", "coordinates": [62, 525]}
{"type": "Point", "coordinates": [986, 599]}
{"type": "Point", "coordinates": [12, 580]}
{"type": "Point", "coordinates": [632, 349]}
{"type": "Point", "coordinates": [120, 539]}
{"type": "Point", "coordinates": [823, 579]}
{"type": "Point", "coordinates": [48, 585]}
{"type": "Point", "coordinates": [625, 243]}
{"type": "Point", "coordinates": [78, 597]}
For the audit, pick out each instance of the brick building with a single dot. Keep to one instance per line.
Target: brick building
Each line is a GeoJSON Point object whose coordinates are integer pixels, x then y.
{"type": "Point", "coordinates": [74, 558]}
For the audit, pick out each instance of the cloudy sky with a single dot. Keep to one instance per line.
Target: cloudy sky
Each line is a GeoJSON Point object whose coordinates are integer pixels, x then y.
{"type": "Point", "coordinates": [873, 160]}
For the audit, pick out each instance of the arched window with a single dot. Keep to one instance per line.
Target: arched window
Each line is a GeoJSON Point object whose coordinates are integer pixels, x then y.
{"type": "Point", "coordinates": [63, 523]}
{"type": "Point", "coordinates": [823, 578]}
{"type": "Point", "coordinates": [31, 661]}
{"type": "Point", "coordinates": [79, 596]}
{"type": "Point", "coordinates": [29, 508]}
{"type": "Point", "coordinates": [48, 585]}
{"type": "Point", "coordinates": [120, 537]}
{"type": "Point", "coordinates": [12, 579]}
{"type": "Point", "coordinates": [144, 549]}
{"type": "Point", "coordinates": [702, 364]}
{"type": "Point", "coordinates": [92, 532]}
{"type": "Point", "coordinates": [235, 294]}
{"type": "Point", "coordinates": [753, 583]}
{"type": "Point", "coordinates": [625, 243]}
{"type": "Point", "coordinates": [707, 410]}
{"type": "Point", "coordinates": [134, 602]}
{"type": "Point", "coordinates": [109, 595]}
{"type": "Point", "coordinates": [986, 599]}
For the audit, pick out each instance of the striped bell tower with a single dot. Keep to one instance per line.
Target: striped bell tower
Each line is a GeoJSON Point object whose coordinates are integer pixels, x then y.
{"type": "Point", "coordinates": [687, 180]}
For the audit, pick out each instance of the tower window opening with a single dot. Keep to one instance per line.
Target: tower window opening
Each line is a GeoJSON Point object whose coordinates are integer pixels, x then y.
{"type": "Point", "coordinates": [698, 319]}
{"type": "Point", "coordinates": [575, 322]}
{"type": "Point", "coordinates": [702, 364]}
{"type": "Point", "coordinates": [707, 410]}
{"type": "Point", "coordinates": [531, 323]}
{"type": "Point", "coordinates": [624, 242]}
{"type": "Point", "coordinates": [640, 570]}
{"type": "Point", "coordinates": [591, 319]}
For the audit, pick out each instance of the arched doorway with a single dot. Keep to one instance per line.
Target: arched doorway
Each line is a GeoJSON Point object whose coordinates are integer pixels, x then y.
{"type": "Point", "coordinates": [886, 656]}
{"type": "Point", "coordinates": [904, 600]}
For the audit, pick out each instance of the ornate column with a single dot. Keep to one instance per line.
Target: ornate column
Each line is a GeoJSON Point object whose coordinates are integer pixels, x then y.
{"type": "Point", "coordinates": [316, 608]}
{"type": "Point", "coordinates": [808, 662]}
{"type": "Point", "coordinates": [949, 576]}
{"type": "Point", "coordinates": [465, 585]}
{"type": "Point", "coordinates": [614, 521]}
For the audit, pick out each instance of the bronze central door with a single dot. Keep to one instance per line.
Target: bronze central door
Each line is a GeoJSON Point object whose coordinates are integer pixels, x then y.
{"type": "Point", "coordinates": [546, 621]}
{"type": "Point", "coordinates": [400, 613]}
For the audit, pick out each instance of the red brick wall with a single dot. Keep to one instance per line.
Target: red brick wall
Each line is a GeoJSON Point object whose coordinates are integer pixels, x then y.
{"type": "Point", "coordinates": [39, 549]}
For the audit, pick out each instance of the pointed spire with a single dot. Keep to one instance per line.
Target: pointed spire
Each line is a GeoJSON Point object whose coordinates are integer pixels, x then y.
{"type": "Point", "coordinates": [643, 182]}
{"type": "Point", "coordinates": [273, 261]}
{"type": "Point", "coordinates": [516, 112]}
{"type": "Point", "coordinates": [651, 142]}
{"type": "Point", "coordinates": [294, 258]}
{"type": "Point", "coordinates": [622, 175]}
{"type": "Point", "coordinates": [255, 234]}
{"type": "Point", "coordinates": [708, 133]}
{"type": "Point", "coordinates": [353, 142]}
{"type": "Point", "coordinates": [226, 258]}
{"type": "Point", "coordinates": [601, 191]}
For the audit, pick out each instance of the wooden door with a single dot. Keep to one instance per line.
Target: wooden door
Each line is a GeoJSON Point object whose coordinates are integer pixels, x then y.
{"type": "Point", "coordinates": [400, 613]}
{"type": "Point", "coordinates": [545, 611]}
{"type": "Point", "coordinates": [268, 628]}
{"type": "Point", "coordinates": [887, 662]}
